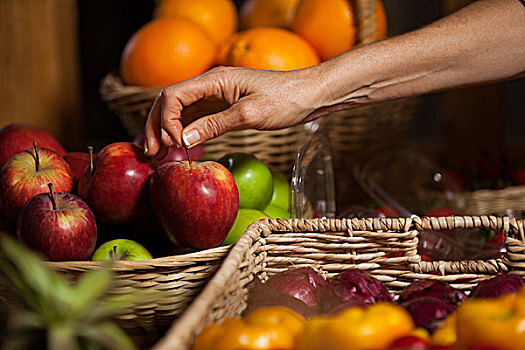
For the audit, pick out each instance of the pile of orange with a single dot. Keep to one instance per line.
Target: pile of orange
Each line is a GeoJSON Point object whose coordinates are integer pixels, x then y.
{"type": "Point", "coordinates": [186, 38]}
{"type": "Point", "coordinates": [180, 42]}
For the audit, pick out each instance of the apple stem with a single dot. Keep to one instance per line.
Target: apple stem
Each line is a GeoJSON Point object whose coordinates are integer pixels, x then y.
{"type": "Point", "coordinates": [90, 150]}
{"type": "Point", "coordinates": [188, 155]}
{"type": "Point", "coordinates": [113, 253]}
{"type": "Point", "coordinates": [37, 158]}
{"type": "Point", "coordinates": [52, 196]}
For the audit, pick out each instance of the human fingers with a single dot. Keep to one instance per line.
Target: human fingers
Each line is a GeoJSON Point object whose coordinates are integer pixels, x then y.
{"type": "Point", "coordinates": [180, 99]}
{"type": "Point", "coordinates": [170, 112]}
{"type": "Point", "coordinates": [152, 131]}
{"type": "Point", "coordinates": [238, 116]}
{"type": "Point", "coordinates": [166, 143]}
{"type": "Point", "coordinates": [201, 108]}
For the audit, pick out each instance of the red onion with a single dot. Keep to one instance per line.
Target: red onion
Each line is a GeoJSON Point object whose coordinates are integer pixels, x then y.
{"type": "Point", "coordinates": [260, 296]}
{"type": "Point", "coordinates": [331, 304]}
{"type": "Point", "coordinates": [433, 289]}
{"type": "Point", "coordinates": [501, 284]}
{"type": "Point", "coordinates": [294, 288]}
{"type": "Point", "coordinates": [299, 283]}
{"type": "Point", "coordinates": [428, 312]}
{"type": "Point", "coordinates": [351, 284]}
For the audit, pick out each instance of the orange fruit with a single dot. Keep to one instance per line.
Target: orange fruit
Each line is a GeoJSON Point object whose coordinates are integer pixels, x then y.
{"type": "Point", "coordinates": [166, 51]}
{"type": "Point", "coordinates": [224, 49]}
{"type": "Point", "coordinates": [330, 25]}
{"type": "Point", "coordinates": [217, 17]}
{"type": "Point", "coordinates": [381, 29]}
{"type": "Point", "coordinates": [267, 13]}
{"type": "Point", "coordinates": [270, 48]}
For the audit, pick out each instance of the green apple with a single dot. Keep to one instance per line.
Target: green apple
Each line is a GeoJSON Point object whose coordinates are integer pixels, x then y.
{"type": "Point", "coordinates": [245, 217]}
{"type": "Point", "coordinates": [281, 190]}
{"type": "Point", "coordinates": [276, 212]}
{"type": "Point", "coordinates": [253, 178]}
{"type": "Point", "coordinates": [121, 249]}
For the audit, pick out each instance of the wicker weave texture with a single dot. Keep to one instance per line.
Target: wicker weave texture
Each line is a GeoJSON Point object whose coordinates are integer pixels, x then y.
{"type": "Point", "coordinates": [507, 201]}
{"type": "Point", "coordinates": [333, 246]}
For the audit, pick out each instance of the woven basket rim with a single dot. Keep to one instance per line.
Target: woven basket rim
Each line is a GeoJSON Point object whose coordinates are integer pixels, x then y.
{"type": "Point", "coordinates": [124, 265]}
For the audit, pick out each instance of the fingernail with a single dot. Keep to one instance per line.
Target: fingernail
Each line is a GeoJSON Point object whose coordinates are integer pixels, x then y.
{"type": "Point", "coordinates": [190, 137]}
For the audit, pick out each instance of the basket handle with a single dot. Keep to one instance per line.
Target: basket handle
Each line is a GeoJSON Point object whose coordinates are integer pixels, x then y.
{"type": "Point", "coordinates": [366, 21]}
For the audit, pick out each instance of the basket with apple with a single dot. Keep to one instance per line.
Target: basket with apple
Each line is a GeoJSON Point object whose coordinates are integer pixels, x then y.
{"type": "Point", "coordinates": [167, 225]}
{"type": "Point", "coordinates": [350, 130]}
{"type": "Point", "coordinates": [386, 249]}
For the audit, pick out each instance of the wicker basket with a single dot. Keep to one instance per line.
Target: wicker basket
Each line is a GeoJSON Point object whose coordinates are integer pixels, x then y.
{"type": "Point", "coordinates": [507, 201]}
{"type": "Point", "coordinates": [270, 246]}
{"type": "Point", "coordinates": [351, 129]}
{"type": "Point", "coordinates": [176, 279]}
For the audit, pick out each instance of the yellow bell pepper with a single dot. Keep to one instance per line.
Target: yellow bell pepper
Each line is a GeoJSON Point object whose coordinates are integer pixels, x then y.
{"type": "Point", "coordinates": [496, 322]}
{"type": "Point", "coordinates": [446, 334]}
{"type": "Point", "coordinates": [265, 328]}
{"type": "Point", "coordinates": [421, 333]}
{"type": "Point", "coordinates": [374, 327]}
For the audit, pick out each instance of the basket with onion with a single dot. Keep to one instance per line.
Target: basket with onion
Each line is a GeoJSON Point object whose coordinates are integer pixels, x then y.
{"type": "Point", "coordinates": [385, 250]}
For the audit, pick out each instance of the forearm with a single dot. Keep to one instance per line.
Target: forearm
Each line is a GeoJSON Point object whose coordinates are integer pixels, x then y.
{"type": "Point", "coordinates": [481, 43]}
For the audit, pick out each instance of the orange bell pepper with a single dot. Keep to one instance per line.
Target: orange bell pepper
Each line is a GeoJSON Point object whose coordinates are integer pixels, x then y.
{"type": "Point", "coordinates": [374, 327]}
{"type": "Point", "coordinates": [496, 322]}
{"type": "Point", "coordinates": [264, 328]}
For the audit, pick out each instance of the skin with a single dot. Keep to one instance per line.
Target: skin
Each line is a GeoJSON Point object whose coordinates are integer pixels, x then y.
{"type": "Point", "coordinates": [482, 43]}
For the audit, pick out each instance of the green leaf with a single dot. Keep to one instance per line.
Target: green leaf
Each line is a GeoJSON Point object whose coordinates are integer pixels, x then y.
{"type": "Point", "coordinates": [62, 336]}
{"type": "Point", "coordinates": [32, 272]}
{"type": "Point", "coordinates": [56, 314]}
{"type": "Point", "coordinates": [32, 282]}
{"type": "Point", "coordinates": [91, 287]}
{"type": "Point", "coordinates": [109, 335]}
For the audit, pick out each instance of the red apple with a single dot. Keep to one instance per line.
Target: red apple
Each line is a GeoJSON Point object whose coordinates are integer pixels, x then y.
{"type": "Point", "coordinates": [16, 137]}
{"type": "Point", "coordinates": [176, 154]}
{"type": "Point", "coordinates": [27, 174]}
{"type": "Point", "coordinates": [115, 185]}
{"type": "Point", "coordinates": [196, 203]}
{"type": "Point", "coordinates": [78, 161]}
{"type": "Point", "coordinates": [59, 225]}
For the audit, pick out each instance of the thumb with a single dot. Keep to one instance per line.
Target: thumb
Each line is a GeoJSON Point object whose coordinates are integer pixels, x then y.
{"type": "Point", "coordinates": [209, 127]}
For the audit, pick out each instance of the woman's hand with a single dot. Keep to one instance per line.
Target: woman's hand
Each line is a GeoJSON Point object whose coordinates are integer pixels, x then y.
{"type": "Point", "coordinates": [228, 98]}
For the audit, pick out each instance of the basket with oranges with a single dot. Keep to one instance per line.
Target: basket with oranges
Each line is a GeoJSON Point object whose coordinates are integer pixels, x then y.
{"type": "Point", "coordinates": [187, 38]}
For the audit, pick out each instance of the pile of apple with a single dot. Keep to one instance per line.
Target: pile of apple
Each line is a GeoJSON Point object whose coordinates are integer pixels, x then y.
{"type": "Point", "coordinates": [58, 200]}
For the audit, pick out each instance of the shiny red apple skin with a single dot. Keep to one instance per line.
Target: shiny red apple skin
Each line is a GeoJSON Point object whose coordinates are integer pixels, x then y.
{"type": "Point", "coordinates": [19, 180]}
{"type": "Point", "coordinates": [15, 138]}
{"type": "Point", "coordinates": [117, 190]}
{"type": "Point", "coordinates": [66, 232]}
{"type": "Point", "coordinates": [176, 154]}
{"type": "Point", "coordinates": [78, 161]}
{"type": "Point", "coordinates": [196, 204]}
